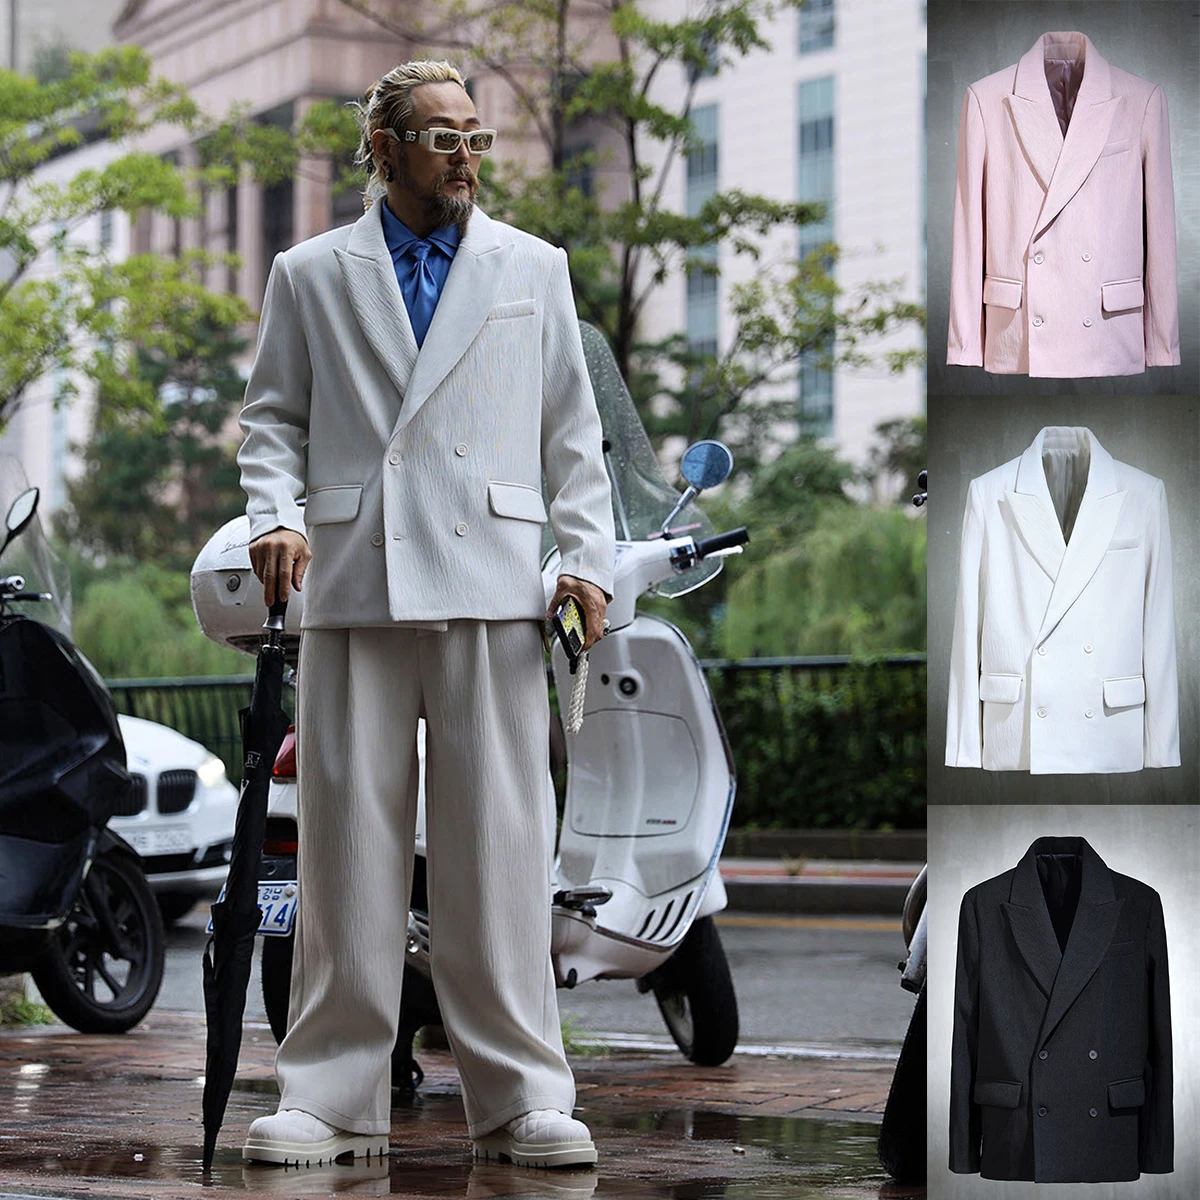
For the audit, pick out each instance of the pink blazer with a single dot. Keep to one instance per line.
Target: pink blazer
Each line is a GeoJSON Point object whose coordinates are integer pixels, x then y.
{"type": "Point", "coordinates": [1064, 220]}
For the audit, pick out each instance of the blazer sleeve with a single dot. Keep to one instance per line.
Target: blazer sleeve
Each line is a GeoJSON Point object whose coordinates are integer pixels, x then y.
{"type": "Point", "coordinates": [274, 415]}
{"type": "Point", "coordinates": [572, 443]}
{"type": "Point", "coordinates": [1161, 307]}
{"type": "Point", "coordinates": [964, 342]}
{"type": "Point", "coordinates": [966, 1120]}
{"type": "Point", "coordinates": [1161, 727]}
{"type": "Point", "coordinates": [1156, 1117]}
{"type": "Point", "coordinates": [964, 726]}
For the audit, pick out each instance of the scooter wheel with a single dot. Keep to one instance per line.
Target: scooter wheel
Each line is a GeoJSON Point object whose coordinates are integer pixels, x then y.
{"type": "Point", "coordinates": [695, 995]}
{"type": "Point", "coordinates": [102, 969]}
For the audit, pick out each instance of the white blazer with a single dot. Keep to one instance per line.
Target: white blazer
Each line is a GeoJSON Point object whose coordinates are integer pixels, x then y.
{"type": "Point", "coordinates": [424, 470]}
{"type": "Point", "coordinates": [1063, 659]}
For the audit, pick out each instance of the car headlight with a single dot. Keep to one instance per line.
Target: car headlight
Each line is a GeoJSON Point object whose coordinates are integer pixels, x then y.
{"type": "Point", "coordinates": [211, 771]}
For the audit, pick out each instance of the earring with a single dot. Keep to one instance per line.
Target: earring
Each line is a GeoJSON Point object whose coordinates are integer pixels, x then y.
{"type": "Point", "coordinates": [388, 173]}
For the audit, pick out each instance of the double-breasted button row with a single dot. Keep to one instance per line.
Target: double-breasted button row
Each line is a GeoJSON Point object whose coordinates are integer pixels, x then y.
{"type": "Point", "coordinates": [1043, 1110]}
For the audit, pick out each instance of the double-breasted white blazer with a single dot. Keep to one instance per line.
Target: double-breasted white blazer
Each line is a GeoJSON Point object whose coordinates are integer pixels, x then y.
{"type": "Point", "coordinates": [1063, 254]}
{"type": "Point", "coordinates": [1063, 658]}
{"type": "Point", "coordinates": [424, 469]}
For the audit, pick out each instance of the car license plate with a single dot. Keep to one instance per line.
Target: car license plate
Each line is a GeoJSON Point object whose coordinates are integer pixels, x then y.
{"type": "Point", "coordinates": [278, 903]}
{"type": "Point", "coordinates": [159, 841]}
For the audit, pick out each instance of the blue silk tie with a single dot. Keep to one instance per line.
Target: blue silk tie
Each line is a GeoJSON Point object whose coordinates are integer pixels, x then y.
{"type": "Point", "coordinates": [420, 289]}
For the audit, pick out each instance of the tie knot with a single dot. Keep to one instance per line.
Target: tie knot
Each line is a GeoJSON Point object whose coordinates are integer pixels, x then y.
{"type": "Point", "coordinates": [419, 249]}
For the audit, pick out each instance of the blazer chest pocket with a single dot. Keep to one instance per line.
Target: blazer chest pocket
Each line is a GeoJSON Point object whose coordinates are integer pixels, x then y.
{"type": "Point", "coordinates": [513, 308]}
{"type": "Point", "coordinates": [328, 505]}
{"type": "Point", "coordinates": [1122, 295]}
{"type": "Point", "coordinates": [1124, 693]}
{"type": "Point", "coordinates": [1000, 689]}
{"type": "Point", "coordinates": [1125, 543]}
{"type": "Point", "coordinates": [1127, 1093]}
{"type": "Point", "coordinates": [516, 500]}
{"type": "Point", "coordinates": [1119, 950]}
{"type": "Point", "coordinates": [1002, 293]}
{"type": "Point", "coordinates": [1112, 148]}
{"type": "Point", "coordinates": [998, 1093]}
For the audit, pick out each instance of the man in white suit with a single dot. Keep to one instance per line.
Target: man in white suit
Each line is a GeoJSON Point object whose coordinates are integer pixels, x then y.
{"type": "Point", "coordinates": [1063, 659]}
{"type": "Point", "coordinates": [429, 360]}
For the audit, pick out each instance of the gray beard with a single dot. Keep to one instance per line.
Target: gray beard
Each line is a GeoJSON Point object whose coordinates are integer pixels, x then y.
{"type": "Point", "coordinates": [438, 207]}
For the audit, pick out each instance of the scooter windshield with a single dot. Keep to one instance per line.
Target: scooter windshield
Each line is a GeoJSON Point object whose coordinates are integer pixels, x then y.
{"type": "Point", "coordinates": [642, 497]}
{"type": "Point", "coordinates": [29, 555]}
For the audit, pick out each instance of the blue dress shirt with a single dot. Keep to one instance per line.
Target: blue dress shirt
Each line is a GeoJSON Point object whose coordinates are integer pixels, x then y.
{"type": "Point", "coordinates": [422, 265]}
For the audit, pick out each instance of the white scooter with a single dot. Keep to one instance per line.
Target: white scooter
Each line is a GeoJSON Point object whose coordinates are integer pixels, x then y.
{"type": "Point", "coordinates": [650, 776]}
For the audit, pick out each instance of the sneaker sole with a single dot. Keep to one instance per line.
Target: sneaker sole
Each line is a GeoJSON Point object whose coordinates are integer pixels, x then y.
{"type": "Point", "coordinates": [315, 1154]}
{"type": "Point", "coordinates": [528, 1154]}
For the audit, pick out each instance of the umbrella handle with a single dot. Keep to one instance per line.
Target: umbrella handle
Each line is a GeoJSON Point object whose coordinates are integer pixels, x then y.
{"type": "Point", "coordinates": [276, 615]}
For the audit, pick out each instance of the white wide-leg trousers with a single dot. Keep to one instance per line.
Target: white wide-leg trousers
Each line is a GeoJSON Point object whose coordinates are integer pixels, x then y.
{"type": "Point", "coordinates": [481, 688]}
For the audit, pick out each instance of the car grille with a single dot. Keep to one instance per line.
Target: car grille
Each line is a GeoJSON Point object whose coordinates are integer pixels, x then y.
{"type": "Point", "coordinates": [134, 801]}
{"type": "Point", "coordinates": [175, 790]}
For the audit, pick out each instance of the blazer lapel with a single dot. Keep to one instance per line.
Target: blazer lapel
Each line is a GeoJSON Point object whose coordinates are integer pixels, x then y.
{"type": "Point", "coordinates": [1033, 511]}
{"type": "Point", "coordinates": [1091, 933]}
{"type": "Point", "coordinates": [1029, 922]}
{"type": "Point", "coordinates": [1033, 114]}
{"type": "Point", "coordinates": [370, 278]}
{"type": "Point", "coordinates": [1091, 119]}
{"type": "Point", "coordinates": [474, 280]}
{"type": "Point", "coordinates": [1099, 512]}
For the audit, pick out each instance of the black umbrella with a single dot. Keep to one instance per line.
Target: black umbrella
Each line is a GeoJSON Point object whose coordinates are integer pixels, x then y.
{"type": "Point", "coordinates": [236, 917]}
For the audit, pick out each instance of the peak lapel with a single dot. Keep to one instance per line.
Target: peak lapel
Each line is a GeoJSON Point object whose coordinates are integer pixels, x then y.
{"type": "Point", "coordinates": [471, 286]}
{"type": "Point", "coordinates": [1032, 112]}
{"type": "Point", "coordinates": [1099, 512]}
{"type": "Point", "coordinates": [1091, 933]}
{"type": "Point", "coordinates": [1091, 119]}
{"type": "Point", "coordinates": [370, 279]}
{"type": "Point", "coordinates": [1029, 922]}
{"type": "Point", "coordinates": [1033, 512]}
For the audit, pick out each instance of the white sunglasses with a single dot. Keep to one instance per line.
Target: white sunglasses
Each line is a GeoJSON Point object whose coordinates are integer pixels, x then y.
{"type": "Point", "coordinates": [447, 141]}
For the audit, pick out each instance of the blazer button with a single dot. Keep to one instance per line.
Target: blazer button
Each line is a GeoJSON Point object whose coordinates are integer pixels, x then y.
{"type": "Point", "coordinates": [1088, 322]}
{"type": "Point", "coordinates": [1092, 1054]}
{"type": "Point", "coordinates": [1041, 712]}
{"type": "Point", "coordinates": [461, 529]}
{"type": "Point", "coordinates": [1043, 1111]}
{"type": "Point", "coordinates": [1092, 1112]}
{"type": "Point", "coordinates": [1087, 647]}
{"type": "Point", "coordinates": [1043, 1054]}
{"type": "Point", "coordinates": [461, 449]}
{"type": "Point", "coordinates": [394, 459]}
{"type": "Point", "coordinates": [1042, 650]}
{"type": "Point", "coordinates": [377, 539]}
{"type": "Point", "coordinates": [1037, 320]}
{"type": "Point", "coordinates": [1037, 258]}
{"type": "Point", "coordinates": [1087, 712]}
{"type": "Point", "coordinates": [1087, 257]}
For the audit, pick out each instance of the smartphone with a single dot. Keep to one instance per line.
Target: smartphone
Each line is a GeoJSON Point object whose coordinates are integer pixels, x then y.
{"type": "Point", "coordinates": [567, 624]}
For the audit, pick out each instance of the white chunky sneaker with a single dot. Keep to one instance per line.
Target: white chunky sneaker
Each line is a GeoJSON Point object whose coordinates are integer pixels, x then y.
{"type": "Point", "coordinates": [543, 1138]}
{"type": "Point", "coordinates": [296, 1138]}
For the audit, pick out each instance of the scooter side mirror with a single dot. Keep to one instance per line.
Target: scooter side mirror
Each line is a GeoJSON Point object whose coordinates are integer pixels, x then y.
{"type": "Point", "coordinates": [20, 513]}
{"type": "Point", "coordinates": [707, 464]}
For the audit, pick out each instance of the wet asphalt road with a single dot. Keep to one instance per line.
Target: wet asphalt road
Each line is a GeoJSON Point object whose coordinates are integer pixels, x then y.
{"type": "Point", "coordinates": [816, 983]}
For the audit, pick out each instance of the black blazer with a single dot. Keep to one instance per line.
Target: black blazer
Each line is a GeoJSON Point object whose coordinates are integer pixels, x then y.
{"type": "Point", "coordinates": [1061, 1066]}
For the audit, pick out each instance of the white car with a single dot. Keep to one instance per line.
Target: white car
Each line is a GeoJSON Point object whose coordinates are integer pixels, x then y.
{"type": "Point", "coordinates": [180, 817]}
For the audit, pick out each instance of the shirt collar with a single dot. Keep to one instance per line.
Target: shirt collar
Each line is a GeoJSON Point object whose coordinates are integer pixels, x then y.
{"type": "Point", "coordinates": [398, 235]}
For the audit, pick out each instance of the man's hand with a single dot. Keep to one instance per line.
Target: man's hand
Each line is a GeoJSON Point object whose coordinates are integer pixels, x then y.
{"type": "Point", "coordinates": [279, 559]}
{"type": "Point", "coordinates": [591, 600]}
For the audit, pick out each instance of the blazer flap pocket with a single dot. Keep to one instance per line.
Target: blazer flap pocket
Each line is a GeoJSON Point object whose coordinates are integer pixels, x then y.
{"type": "Point", "coordinates": [1127, 1093]}
{"type": "Point", "coordinates": [1124, 693]}
{"type": "Point", "coordinates": [1118, 147]}
{"type": "Point", "coordinates": [1118, 949]}
{"type": "Point", "coordinates": [512, 308]}
{"type": "Point", "coordinates": [328, 505]}
{"type": "Point", "coordinates": [516, 500]}
{"type": "Point", "coordinates": [1000, 689]}
{"type": "Point", "coordinates": [1003, 293]}
{"type": "Point", "coordinates": [1118, 296]}
{"type": "Point", "coordinates": [1124, 543]}
{"type": "Point", "coordinates": [999, 1093]}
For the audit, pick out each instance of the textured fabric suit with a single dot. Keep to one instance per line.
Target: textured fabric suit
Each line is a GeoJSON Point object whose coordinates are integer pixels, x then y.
{"type": "Point", "coordinates": [1063, 655]}
{"type": "Point", "coordinates": [423, 600]}
{"type": "Point", "coordinates": [1061, 1063]}
{"type": "Point", "coordinates": [1063, 255]}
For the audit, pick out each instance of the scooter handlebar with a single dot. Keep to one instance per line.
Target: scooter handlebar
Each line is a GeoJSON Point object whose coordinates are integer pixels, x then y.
{"type": "Point", "coordinates": [722, 541]}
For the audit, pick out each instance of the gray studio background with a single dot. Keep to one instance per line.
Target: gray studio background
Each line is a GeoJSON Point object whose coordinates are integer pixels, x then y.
{"type": "Point", "coordinates": [1156, 39]}
{"type": "Point", "coordinates": [1158, 844]}
{"type": "Point", "coordinates": [968, 437]}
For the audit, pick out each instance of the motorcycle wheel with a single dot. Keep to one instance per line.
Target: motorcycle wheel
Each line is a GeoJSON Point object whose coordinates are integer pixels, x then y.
{"type": "Point", "coordinates": [101, 971]}
{"type": "Point", "coordinates": [418, 1007]}
{"type": "Point", "coordinates": [902, 1133]}
{"type": "Point", "coordinates": [695, 995]}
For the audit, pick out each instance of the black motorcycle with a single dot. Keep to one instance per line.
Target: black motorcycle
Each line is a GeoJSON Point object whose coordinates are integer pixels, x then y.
{"type": "Point", "coordinates": [76, 911]}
